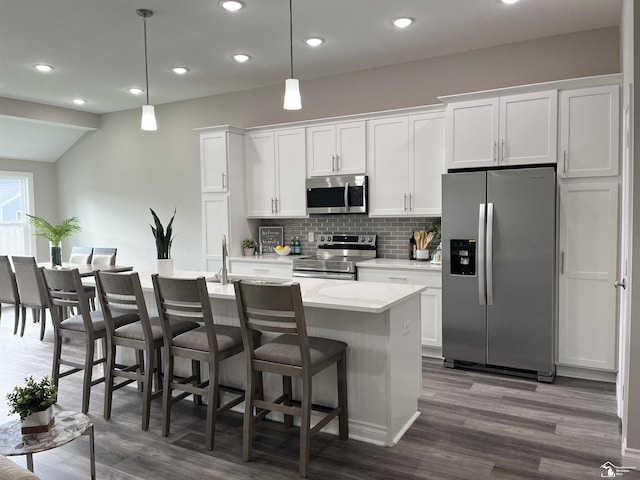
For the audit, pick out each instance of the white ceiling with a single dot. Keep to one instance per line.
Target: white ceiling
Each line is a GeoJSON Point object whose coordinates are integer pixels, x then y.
{"type": "Point", "coordinates": [96, 46]}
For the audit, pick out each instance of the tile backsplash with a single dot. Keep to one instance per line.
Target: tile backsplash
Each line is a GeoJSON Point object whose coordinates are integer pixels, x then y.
{"type": "Point", "coordinates": [393, 232]}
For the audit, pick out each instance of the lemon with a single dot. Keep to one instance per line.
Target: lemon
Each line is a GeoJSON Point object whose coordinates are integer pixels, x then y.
{"type": "Point", "coordinates": [278, 247]}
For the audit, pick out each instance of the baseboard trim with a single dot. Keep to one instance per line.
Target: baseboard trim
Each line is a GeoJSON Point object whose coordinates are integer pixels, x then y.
{"type": "Point", "coordinates": [630, 455]}
{"type": "Point", "coordinates": [585, 374]}
{"type": "Point", "coordinates": [431, 352]}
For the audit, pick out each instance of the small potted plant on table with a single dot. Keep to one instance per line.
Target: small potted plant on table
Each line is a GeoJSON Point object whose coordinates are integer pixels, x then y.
{"type": "Point", "coordinates": [34, 403]}
{"type": "Point", "coordinates": [55, 234]}
{"type": "Point", "coordinates": [249, 246]}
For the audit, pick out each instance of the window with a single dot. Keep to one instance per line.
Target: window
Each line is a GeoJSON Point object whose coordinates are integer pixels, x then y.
{"type": "Point", "coordinates": [16, 199]}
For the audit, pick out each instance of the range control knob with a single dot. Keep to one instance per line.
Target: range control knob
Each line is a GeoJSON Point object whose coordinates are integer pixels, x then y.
{"type": "Point", "coordinates": [328, 238]}
{"type": "Point", "coordinates": [370, 239]}
{"type": "Point", "coordinates": [362, 239]}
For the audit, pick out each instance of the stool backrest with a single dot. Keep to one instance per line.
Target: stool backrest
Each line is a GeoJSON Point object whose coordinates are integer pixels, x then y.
{"type": "Point", "coordinates": [81, 255]}
{"type": "Point", "coordinates": [31, 285]}
{"type": "Point", "coordinates": [180, 299]}
{"type": "Point", "coordinates": [121, 294]}
{"type": "Point", "coordinates": [272, 307]}
{"type": "Point", "coordinates": [104, 256]}
{"type": "Point", "coordinates": [8, 285]}
{"type": "Point", "coordinates": [65, 291]}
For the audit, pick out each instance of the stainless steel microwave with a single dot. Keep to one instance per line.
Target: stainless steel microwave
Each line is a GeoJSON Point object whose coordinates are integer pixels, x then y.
{"type": "Point", "coordinates": [339, 194]}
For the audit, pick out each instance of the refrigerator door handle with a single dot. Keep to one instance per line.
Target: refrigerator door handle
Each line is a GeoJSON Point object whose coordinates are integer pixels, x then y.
{"type": "Point", "coordinates": [489, 254]}
{"type": "Point", "coordinates": [480, 254]}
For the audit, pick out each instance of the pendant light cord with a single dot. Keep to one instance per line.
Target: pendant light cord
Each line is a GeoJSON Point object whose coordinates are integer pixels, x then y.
{"type": "Point", "coordinates": [146, 67]}
{"type": "Point", "coordinates": [291, 35]}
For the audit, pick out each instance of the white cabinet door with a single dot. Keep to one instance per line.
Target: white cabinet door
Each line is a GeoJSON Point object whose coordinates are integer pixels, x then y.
{"type": "Point", "coordinates": [431, 316]}
{"type": "Point", "coordinates": [215, 221]}
{"type": "Point", "coordinates": [321, 150]}
{"type": "Point", "coordinates": [472, 133]}
{"type": "Point", "coordinates": [588, 265]}
{"type": "Point", "coordinates": [351, 148]}
{"type": "Point", "coordinates": [260, 174]}
{"type": "Point", "coordinates": [388, 166]}
{"type": "Point", "coordinates": [336, 149]}
{"type": "Point", "coordinates": [213, 162]}
{"type": "Point", "coordinates": [528, 128]}
{"type": "Point", "coordinates": [291, 196]}
{"type": "Point", "coordinates": [426, 163]}
{"type": "Point", "coordinates": [589, 129]}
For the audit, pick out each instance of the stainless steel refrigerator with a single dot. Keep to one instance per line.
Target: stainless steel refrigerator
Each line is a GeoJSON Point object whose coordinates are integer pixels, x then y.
{"type": "Point", "coordinates": [499, 270]}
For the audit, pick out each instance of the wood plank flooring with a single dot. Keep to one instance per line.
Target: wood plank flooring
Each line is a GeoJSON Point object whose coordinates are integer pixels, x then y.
{"type": "Point", "coordinates": [472, 426]}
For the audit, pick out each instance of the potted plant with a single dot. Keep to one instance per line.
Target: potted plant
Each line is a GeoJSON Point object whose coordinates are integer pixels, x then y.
{"type": "Point", "coordinates": [34, 403]}
{"type": "Point", "coordinates": [164, 240]}
{"type": "Point", "coordinates": [249, 246]}
{"type": "Point", "coordinates": [55, 234]}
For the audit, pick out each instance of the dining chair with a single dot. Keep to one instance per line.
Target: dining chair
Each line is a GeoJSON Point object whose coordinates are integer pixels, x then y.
{"type": "Point", "coordinates": [65, 291]}
{"type": "Point", "coordinates": [121, 294]}
{"type": "Point", "coordinates": [104, 256]}
{"type": "Point", "coordinates": [9, 289]}
{"type": "Point", "coordinates": [81, 255]}
{"type": "Point", "coordinates": [277, 308]}
{"type": "Point", "coordinates": [33, 292]}
{"type": "Point", "coordinates": [180, 299]}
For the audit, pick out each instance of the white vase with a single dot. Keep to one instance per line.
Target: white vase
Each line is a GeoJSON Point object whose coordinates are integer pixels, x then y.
{"type": "Point", "coordinates": [249, 252]}
{"type": "Point", "coordinates": [38, 422]}
{"type": "Point", "coordinates": [164, 267]}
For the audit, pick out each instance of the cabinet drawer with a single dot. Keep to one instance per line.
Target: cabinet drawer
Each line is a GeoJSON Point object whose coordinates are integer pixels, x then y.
{"type": "Point", "coordinates": [391, 275]}
{"type": "Point", "coordinates": [261, 269]}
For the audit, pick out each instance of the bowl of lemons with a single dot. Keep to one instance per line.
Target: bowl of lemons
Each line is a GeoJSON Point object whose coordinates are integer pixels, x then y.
{"type": "Point", "coordinates": [280, 250]}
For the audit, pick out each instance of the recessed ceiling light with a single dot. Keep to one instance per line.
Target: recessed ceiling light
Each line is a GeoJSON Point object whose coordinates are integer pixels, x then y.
{"type": "Point", "coordinates": [231, 5]}
{"type": "Point", "coordinates": [43, 68]}
{"type": "Point", "coordinates": [509, 2]}
{"type": "Point", "coordinates": [314, 41]}
{"type": "Point", "coordinates": [241, 57]}
{"type": "Point", "coordinates": [402, 22]}
{"type": "Point", "coordinates": [136, 91]}
{"type": "Point", "coordinates": [180, 70]}
{"type": "Point", "coordinates": [79, 101]}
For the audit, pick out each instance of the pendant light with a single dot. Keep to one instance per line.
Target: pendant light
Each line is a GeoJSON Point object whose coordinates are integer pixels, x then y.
{"type": "Point", "coordinates": [148, 111]}
{"type": "Point", "coordinates": [292, 100]}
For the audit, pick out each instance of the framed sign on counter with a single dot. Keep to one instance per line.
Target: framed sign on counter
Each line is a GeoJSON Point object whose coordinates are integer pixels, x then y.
{"type": "Point", "coordinates": [270, 237]}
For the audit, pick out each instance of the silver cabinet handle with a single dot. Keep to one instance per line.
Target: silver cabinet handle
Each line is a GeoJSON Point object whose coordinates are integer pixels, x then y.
{"type": "Point", "coordinates": [562, 263]}
{"type": "Point", "coordinates": [223, 185]}
{"type": "Point", "coordinates": [260, 269]}
{"type": "Point", "coordinates": [276, 205]}
{"type": "Point", "coordinates": [404, 203]}
{"type": "Point", "coordinates": [397, 278]}
{"type": "Point", "coordinates": [333, 163]}
{"type": "Point", "coordinates": [482, 298]}
{"type": "Point", "coordinates": [503, 151]}
{"type": "Point", "coordinates": [490, 254]}
{"type": "Point", "coordinates": [337, 163]}
{"type": "Point", "coordinates": [495, 151]}
{"type": "Point", "coordinates": [620, 284]}
{"type": "Point", "coordinates": [564, 162]}
{"type": "Point", "coordinates": [346, 196]}
{"type": "Point", "coordinates": [272, 209]}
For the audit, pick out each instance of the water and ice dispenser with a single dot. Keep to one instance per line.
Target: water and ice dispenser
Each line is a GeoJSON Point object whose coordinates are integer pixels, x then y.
{"type": "Point", "coordinates": [463, 257]}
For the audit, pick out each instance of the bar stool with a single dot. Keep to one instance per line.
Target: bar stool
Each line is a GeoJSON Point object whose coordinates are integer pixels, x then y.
{"type": "Point", "coordinates": [122, 294]}
{"type": "Point", "coordinates": [66, 291]}
{"type": "Point", "coordinates": [9, 289]}
{"type": "Point", "coordinates": [33, 292]}
{"type": "Point", "coordinates": [188, 299]}
{"type": "Point", "coordinates": [81, 255]}
{"type": "Point", "coordinates": [277, 308]}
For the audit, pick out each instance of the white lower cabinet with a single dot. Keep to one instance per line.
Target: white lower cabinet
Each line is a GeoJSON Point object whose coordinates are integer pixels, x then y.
{"type": "Point", "coordinates": [430, 299]}
{"type": "Point", "coordinates": [215, 222]}
{"type": "Point", "coordinates": [261, 267]}
{"type": "Point", "coordinates": [587, 333]}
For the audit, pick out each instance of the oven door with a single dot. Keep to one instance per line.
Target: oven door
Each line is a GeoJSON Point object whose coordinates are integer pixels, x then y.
{"type": "Point", "coordinates": [342, 194]}
{"type": "Point", "coordinates": [325, 275]}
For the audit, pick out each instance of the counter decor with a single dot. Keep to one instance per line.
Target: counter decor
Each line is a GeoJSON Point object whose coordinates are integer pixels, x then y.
{"type": "Point", "coordinates": [164, 239]}
{"type": "Point", "coordinates": [249, 247]}
{"type": "Point", "coordinates": [55, 234]}
{"type": "Point", "coordinates": [34, 403]}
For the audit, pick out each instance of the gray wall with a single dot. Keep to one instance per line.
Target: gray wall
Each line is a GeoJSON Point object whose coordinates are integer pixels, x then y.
{"type": "Point", "coordinates": [112, 177]}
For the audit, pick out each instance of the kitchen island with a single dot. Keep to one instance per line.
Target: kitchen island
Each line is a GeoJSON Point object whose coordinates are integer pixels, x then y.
{"type": "Point", "coordinates": [380, 323]}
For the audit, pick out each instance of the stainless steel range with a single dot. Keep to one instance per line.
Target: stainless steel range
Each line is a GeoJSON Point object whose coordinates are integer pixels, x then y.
{"type": "Point", "coordinates": [337, 256]}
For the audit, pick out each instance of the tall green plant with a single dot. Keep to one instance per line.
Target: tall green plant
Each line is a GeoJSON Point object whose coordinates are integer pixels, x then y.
{"type": "Point", "coordinates": [54, 233]}
{"type": "Point", "coordinates": [164, 239]}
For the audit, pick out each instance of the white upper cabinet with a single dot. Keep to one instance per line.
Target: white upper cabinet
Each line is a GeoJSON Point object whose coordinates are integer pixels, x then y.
{"type": "Point", "coordinates": [213, 162]}
{"type": "Point", "coordinates": [405, 164]}
{"type": "Point", "coordinates": [589, 125]}
{"type": "Point", "coordinates": [508, 130]}
{"type": "Point", "coordinates": [275, 173]}
{"type": "Point", "coordinates": [336, 149]}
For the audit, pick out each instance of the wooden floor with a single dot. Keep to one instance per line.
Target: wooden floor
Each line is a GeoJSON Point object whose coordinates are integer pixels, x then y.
{"type": "Point", "coordinates": [473, 426]}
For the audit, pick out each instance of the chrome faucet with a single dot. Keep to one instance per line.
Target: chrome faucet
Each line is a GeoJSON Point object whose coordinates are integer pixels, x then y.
{"type": "Point", "coordinates": [224, 277]}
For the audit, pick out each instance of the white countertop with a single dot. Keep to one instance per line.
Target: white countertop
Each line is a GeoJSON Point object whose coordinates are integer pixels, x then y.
{"type": "Point", "coordinates": [319, 293]}
{"type": "Point", "coordinates": [399, 263]}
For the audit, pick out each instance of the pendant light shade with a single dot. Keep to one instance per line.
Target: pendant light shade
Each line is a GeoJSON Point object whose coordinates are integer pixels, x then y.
{"type": "Point", "coordinates": [292, 99]}
{"type": "Point", "coordinates": [148, 121]}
